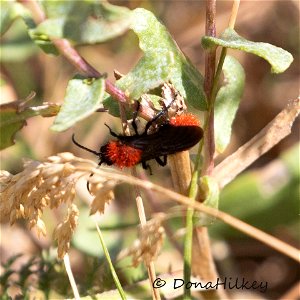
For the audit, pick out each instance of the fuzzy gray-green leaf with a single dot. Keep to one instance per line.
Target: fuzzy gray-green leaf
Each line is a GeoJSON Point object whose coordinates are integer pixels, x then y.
{"type": "Point", "coordinates": [227, 101]}
{"type": "Point", "coordinates": [163, 61]}
{"type": "Point", "coordinates": [83, 22]}
{"type": "Point", "coordinates": [83, 97]}
{"type": "Point", "coordinates": [278, 58]}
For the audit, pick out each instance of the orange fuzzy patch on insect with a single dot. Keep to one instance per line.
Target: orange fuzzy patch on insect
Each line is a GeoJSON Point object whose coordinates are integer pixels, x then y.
{"type": "Point", "coordinates": [185, 120]}
{"type": "Point", "coordinates": [122, 155]}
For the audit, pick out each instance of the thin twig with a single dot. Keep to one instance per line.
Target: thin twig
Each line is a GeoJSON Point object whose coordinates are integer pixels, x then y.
{"type": "Point", "coordinates": [197, 252]}
{"type": "Point", "coordinates": [140, 208]}
{"type": "Point", "coordinates": [157, 208]}
{"type": "Point", "coordinates": [226, 218]}
{"type": "Point", "coordinates": [71, 277]}
{"type": "Point", "coordinates": [143, 221]}
{"type": "Point", "coordinates": [234, 12]}
{"type": "Point", "coordinates": [210, 65]}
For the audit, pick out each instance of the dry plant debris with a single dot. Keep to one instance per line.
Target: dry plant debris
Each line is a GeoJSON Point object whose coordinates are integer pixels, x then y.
{"type": "Point", "coordinates": [151, 237]}
{"type": "Point", "coordinates": [268, 137]}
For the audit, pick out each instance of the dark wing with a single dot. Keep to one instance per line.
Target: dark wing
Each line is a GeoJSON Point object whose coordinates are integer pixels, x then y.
{"type": "Point", "coordinates": [167, 140]}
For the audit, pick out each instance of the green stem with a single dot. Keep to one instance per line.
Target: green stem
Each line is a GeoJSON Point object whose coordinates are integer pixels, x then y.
{"type": "Point", "coordinates": [112, 269]}
{"type": "Point", "coordinates": [217, 78]}
{"type": "Point", "coordinates": [188, 243]}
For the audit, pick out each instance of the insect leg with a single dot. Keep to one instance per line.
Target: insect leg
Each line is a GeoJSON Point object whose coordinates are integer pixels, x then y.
{"type": "Point", "coordinates": [146, 166]}
{"type": "Point", "coordinates": [162, 112]}
{"type": "Point", "coordinates": [88, 183]}
{"type": "Point", "coordinates": [92, 174]}
{"type": "Point", "coordinates": [134, 118]}
{"type": "Point", "coordinates": [161, 162]}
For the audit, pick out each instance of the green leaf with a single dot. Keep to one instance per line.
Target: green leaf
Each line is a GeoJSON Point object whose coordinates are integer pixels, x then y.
{"type": "Point", "coordinates": [16, 45]}
{"type": "Point", "coordinates": [13, 117]}
{"type": "Point", "coordinates": [210, 189]}
{"type": "Point", "coordinates": [162, 61]}
{"type": "Point", "coordinates": [83, 22]}
{"type": "Point", "coordinates": [83, 97]}
{"type": "Point", "coordinates": [227, 101]}
{"type": "Point", "coordinates": [9, 12]}
{"type": "Point", "coordinates": [278, 58]}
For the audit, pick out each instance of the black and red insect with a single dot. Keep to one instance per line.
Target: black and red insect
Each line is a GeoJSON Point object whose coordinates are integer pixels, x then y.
{"type": "Point", "coordinates": [174, 135]}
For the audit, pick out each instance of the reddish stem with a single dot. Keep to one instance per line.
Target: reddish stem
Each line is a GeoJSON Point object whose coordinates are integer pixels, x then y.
{"type": "Point", "coordinates": [210, 65]}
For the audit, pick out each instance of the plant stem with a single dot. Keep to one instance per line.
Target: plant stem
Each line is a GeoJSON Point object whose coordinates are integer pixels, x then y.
{"type": "Point", "coordinates": [209, 147]}
{"type": "Point", "coordinates": [112, 269]}
{"type": "Point", "coordinates": [188, 242]}
{"type": "Point", "coordinates": [143, 221]}
{"type": "Point", "coordinates": [71, 277]}
{"type": "Point", "coordinates": [210, 65]}
{"type": "Point", "coordinates": [275, 243]}
{"type": "Point", "coordinates": [140, 207]}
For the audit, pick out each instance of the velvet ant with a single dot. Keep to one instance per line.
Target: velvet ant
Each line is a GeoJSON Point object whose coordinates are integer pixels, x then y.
{"type": "Point", "coordinates": [177, 134]}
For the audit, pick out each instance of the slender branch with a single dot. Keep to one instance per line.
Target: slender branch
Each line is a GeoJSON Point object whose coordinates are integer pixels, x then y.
{"type": "Point", "coordinates": [226, 218]}
{"type": "Point", "coordinates": [210, 65]}
{"type": "Point", "coordinates": [143, 221]}
{"type": "Point", "coordinates": [157, 208]}
{"type": "Point", "coordinates": [234, 12]}
{"type": "Point", "coordinates": [204, 256]}
{"type": "Point", "coordinates": [140, 208]}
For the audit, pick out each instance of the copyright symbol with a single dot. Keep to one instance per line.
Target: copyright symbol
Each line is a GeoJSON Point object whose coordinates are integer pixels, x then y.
{"type": "Point", "coordinates": [158, 283]}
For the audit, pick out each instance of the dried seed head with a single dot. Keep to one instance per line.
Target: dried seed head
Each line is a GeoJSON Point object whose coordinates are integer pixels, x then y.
{"type": "Point", "coordinates": [49, 184]}
{"type": "Point", "coordinates": [102, 197]}
{"type": "Point", "coordinates": [64, 231]}
{"type": "Point", "coordinates": [102, 189]}
{"type": "Point", "coordinates": [150, 241]}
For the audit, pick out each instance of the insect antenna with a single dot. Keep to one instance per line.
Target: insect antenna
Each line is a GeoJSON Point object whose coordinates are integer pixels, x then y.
{"type": "Point", "coordinates": [89, 150]}
{"type": "Point", "coordinates": [84, 148]}
{"type": "Point", "coordinates": [110, 131]}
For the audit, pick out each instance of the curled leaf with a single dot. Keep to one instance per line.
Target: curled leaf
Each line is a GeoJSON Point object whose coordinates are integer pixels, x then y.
{"type": "Point", "coordinates": [227, 101]}
{"type": "Point", "coordinates": [278, 58]}
{"type": "Point", "coordinates": [13, 117]}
